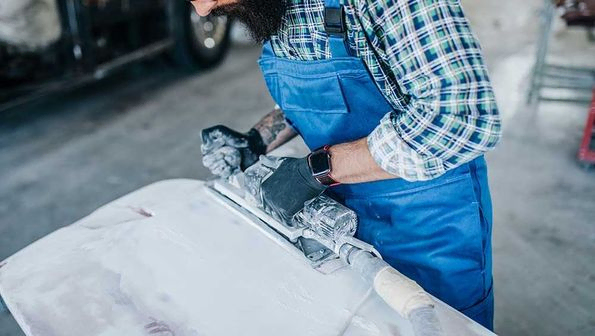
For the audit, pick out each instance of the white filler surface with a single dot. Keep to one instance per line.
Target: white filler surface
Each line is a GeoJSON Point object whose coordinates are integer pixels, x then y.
{"type": "Point", "coordinates": [170, 260]}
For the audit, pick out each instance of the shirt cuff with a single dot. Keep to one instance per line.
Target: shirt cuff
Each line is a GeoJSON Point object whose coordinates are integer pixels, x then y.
{"type": "Point", "coordinates": [396, 157]}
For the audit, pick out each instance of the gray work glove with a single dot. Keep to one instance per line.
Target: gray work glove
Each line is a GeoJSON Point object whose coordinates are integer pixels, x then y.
{"type": "Point", "coordinates": [226, 152]}
{"type": "Point", "coordinates": [281, 186]}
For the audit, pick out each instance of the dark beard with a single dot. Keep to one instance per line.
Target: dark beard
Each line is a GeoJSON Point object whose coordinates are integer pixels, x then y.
{"type": "Point", "coordinates": [262, 17]}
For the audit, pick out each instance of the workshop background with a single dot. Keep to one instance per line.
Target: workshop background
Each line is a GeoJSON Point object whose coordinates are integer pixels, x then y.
{"type": "Point", "coordinates": [63, 156]}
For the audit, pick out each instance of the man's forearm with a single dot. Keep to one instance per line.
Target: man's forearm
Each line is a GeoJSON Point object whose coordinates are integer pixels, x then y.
{"type": "Point", "coordinates": [351, 162]}
{"type": "Point", "coordinates": [274, 129]}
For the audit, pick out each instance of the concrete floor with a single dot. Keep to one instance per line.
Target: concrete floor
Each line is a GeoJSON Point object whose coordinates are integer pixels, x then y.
{"type": "Point", "coordinates": [66, 156]}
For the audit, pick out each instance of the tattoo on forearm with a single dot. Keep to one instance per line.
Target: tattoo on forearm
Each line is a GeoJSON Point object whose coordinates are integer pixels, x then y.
{"type": "Point", "coordinates": [271, 125]}
{"type": "Point", "coordinates": [273, 129]}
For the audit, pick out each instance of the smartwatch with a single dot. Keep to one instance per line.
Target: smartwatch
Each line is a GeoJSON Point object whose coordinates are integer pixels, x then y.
{"type": "Point", "coordinates": [320, 166]}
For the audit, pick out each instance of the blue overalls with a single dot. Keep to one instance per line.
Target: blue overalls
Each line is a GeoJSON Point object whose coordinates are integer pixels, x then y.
{"type": "Point", "coordinates": [436, 232]}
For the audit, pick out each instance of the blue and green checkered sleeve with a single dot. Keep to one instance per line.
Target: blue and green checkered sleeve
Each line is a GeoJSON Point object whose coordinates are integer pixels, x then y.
{"type": "Point", "coordinates": [450, 116]}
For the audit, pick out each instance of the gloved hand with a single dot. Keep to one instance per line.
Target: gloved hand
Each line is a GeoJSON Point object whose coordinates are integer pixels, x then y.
{"type": "Point", "coordinates": [283, 193]}
{"type": "Point", "coordinates": [226, 152]}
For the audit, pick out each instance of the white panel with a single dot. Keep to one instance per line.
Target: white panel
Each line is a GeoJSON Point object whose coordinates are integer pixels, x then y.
{"type": "Point", "coordinates": [170, 260]}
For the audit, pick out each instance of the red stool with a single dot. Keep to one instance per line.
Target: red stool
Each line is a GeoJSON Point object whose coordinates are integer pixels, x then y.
{"type": "Point", "coordinates": [586, 153]}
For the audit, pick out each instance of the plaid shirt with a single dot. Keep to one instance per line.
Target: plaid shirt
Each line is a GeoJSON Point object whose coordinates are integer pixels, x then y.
{"type": "Point", "coordinates": [426, 62]}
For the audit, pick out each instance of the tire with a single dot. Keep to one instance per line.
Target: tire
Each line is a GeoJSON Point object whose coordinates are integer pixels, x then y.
{"type": "Point", "coordinates": [199, 42]}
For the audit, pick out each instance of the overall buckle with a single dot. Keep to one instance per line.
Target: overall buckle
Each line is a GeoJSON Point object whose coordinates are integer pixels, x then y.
{"type": "Point", "coordinates": [334, 21]}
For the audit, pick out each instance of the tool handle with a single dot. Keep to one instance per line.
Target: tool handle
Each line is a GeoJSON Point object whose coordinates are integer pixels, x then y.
{"type": "Point", "coordinates": [398, 291]}
{"type": "Point", "coordinates": [401, 293]}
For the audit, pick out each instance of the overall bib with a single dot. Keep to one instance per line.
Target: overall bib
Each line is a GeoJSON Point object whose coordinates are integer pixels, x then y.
{"type": "Point", "coordinates": [436, 232]}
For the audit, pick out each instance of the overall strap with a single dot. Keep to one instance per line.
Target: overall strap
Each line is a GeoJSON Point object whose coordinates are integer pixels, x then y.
{"type": "Point", "coordinates": [267, 50]}
{"type": "Point", "coordinates": [334, 24]}
{"type": "Point", "coordinates": [332, 3]}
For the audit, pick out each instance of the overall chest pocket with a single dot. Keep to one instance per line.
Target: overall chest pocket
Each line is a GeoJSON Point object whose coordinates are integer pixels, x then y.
{"type": "Point", "coordinates": [335, 86]}
{"type": "Point", "coordinates": [320, 94]}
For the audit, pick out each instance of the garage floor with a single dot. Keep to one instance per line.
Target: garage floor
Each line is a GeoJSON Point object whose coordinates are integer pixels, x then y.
{"type": "Point", "coordinates": [65, 156]}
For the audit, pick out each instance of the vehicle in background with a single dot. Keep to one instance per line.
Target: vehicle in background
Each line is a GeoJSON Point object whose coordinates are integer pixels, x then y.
{"type": "Point", "coordinates": [48, 46]}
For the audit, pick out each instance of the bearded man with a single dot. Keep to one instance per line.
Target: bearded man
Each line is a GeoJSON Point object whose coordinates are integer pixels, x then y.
{"type": "Point", "coordinates": [394, 100]}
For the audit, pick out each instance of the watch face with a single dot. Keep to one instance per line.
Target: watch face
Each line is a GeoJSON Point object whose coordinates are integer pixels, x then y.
{"type": "Point", "coordinates": [319, 162]}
